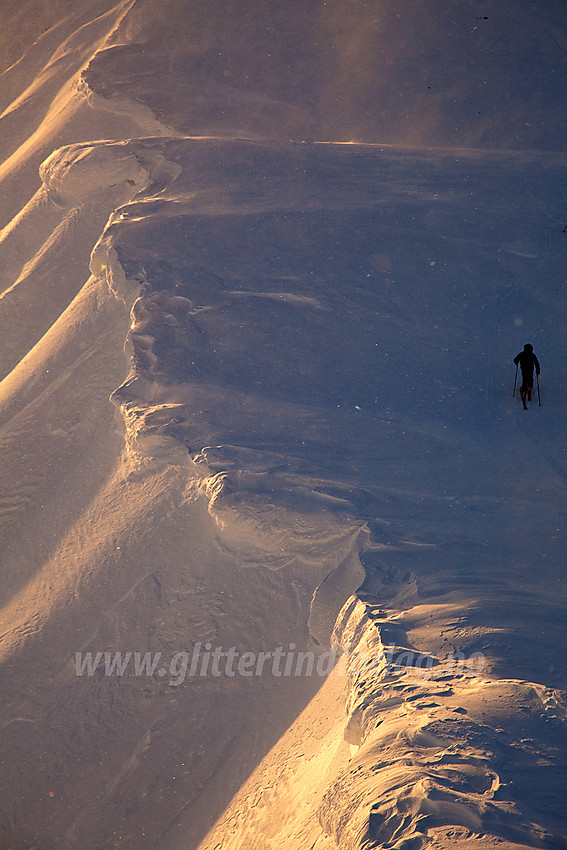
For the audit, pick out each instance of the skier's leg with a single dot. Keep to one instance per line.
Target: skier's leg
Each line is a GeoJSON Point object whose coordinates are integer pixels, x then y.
{"type": "Point", "coordinates": [524, 391]}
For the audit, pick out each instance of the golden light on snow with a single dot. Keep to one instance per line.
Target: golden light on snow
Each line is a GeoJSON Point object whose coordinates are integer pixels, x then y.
{"type": "Point", "coordinates": [220, 346]}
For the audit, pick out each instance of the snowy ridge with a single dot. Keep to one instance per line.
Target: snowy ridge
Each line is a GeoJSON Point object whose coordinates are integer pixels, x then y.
{"type": "Point", "coordinates": [316, 452]}
{"type": "Point", "coordinates": [306, 508]}
{"type": "Point", "coordinates": [249, 386]}
{"type": "Point", "coordinates": [438, 724]}
{"type": "Point", "coordinates": [429, 755]}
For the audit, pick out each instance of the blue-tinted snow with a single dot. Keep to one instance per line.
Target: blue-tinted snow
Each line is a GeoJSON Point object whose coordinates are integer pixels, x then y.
{"type": "Point", "coordinates": [333, 327]}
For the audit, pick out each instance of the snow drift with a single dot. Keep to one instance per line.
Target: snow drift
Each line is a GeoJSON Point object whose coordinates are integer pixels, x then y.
{"type": "Point", "coordinates": [282, 558]}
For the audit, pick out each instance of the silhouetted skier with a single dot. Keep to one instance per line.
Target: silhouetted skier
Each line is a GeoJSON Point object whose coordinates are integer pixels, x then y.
{"type": "Point", "coordinates": [527, 360]}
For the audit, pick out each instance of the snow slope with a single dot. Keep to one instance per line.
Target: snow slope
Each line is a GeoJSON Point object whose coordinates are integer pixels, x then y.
{"type": "Point", "coordinates": [276, 415]}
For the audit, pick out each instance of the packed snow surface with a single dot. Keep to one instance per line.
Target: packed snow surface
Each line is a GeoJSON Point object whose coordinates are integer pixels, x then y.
{"type": "Point", "coordinates": [283, 557]}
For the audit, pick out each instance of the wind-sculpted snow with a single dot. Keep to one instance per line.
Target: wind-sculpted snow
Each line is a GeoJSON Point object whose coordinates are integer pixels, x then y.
{"type": "Point", "coordinates": [402, 73]}
{"type": "Point", "coordinates": [438, 725]}
{"type": "Point", "coordinates": [327, 390]}
{"type": "Point", "coordinates": [282, 556]}
{"type": "Point", "coordinates": [435, 752]}
{"type": "Point", "coordinates": [306, 428]}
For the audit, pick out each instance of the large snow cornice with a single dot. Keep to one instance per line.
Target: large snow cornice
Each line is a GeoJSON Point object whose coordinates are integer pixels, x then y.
{"type": "Point", "coordinates": [449, 72]}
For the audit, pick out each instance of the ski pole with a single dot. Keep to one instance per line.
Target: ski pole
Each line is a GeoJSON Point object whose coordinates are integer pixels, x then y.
{"type": "Point", "coordinates": [515, 379]}
{"type": "Point", "coordinates": [538, 395]}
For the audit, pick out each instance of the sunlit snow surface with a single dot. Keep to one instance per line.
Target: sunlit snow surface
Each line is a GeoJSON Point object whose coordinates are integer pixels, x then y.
{"type": "Point", "coordinates": [325, 333]}
{"type": "Point", "coordinates": [317, 442]}
{"type": "Point", "coordinates": [342, 320]}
